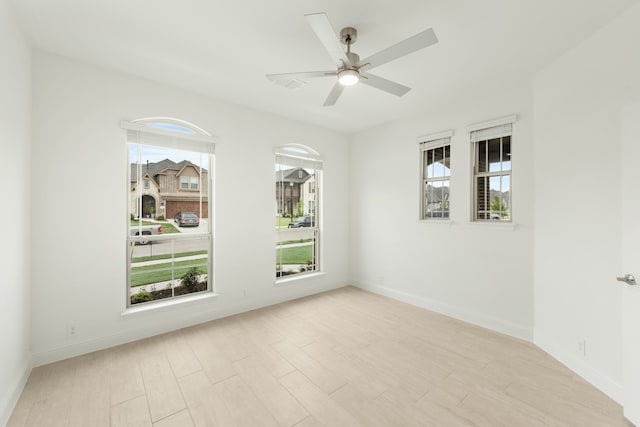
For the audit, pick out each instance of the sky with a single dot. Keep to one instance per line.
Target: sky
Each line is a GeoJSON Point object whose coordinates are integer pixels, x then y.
{"type": "Point", "coordinates": [156, 154]}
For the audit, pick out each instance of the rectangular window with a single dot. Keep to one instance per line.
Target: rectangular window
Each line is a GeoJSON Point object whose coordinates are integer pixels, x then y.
{"type": "Point", "coordinates": [194, 182]}
{"type": "Point", "coordinates": [435, 169]}
{"type": "Point", "coordinates": [184, 182]}
{"type": "Point", "coordinates": [492, 172]}
{"type": "Point", "coordinates": [163, 261]}
{"type": "Point", "coordinates": [147, 184]}
{"type": "Point", "coordinates": [297, 230]}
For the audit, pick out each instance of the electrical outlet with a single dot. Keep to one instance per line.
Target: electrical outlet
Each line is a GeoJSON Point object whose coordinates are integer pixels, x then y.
{"type": "Point", "coordinates": [582, 347]}
{"type": "Point", "coordinates": [72, 331]}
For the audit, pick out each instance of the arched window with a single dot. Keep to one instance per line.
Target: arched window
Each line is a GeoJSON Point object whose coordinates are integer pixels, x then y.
{"type": "Point", "coordinates": [169, 166]}
{"type": "Point", "coordinates": [298, 174]}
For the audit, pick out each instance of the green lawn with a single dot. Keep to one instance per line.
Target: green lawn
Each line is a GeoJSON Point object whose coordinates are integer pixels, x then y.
{"type": "Point", "coordinates": [282, 222]}
{"type": "Point", "coordinates": [162, 272]}
{"type": "Point", "coordinates": [167, 227]}
{"type": "Point", "coordinates": [295, 255]}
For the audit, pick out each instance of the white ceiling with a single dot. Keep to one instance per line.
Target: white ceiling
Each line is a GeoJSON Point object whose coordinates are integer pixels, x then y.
{"type": "Point", "coordinates": [225, 48]}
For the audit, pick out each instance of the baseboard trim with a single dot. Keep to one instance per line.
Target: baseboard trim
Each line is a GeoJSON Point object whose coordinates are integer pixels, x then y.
{"type": "Point", "coordinates": [579, 365]}
{"type": "Point", "coordinates": [8, 402]}
{"type": "Point", "coordinates": [596, 378]}
{"type": "Point", "coordinates": [223, 308]}
{"type": "Point", "coordinates": [479, 319]}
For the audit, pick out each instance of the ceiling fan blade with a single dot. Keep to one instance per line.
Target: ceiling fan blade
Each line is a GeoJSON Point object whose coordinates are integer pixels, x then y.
{"type": "Point", "coordinates": [405, 47]}
{"type": "Point", "coordinates": [383, 84]}
{"type": "Point", "coordinates": [302, 75]}
{"type": "Point", "coordinates": [334, 95]}
{"type": "Point", "coordinates": [320, 25]}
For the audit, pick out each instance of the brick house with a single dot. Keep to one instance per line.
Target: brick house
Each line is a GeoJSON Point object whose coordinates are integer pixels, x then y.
{"type": "Point", "coordinates": [168, 188]}
{"type": "Point", "coordinates": [289, 188]}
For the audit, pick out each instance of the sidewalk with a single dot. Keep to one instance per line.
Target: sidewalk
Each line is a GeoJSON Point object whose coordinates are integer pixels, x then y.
{"type": "Point", "coordinates": [167, 260]}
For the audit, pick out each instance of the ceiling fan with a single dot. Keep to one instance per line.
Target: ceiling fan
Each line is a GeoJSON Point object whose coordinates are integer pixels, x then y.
{"type": "Point", "coordinates": [350, 69]}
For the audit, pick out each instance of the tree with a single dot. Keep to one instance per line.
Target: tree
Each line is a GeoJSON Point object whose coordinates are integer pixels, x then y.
{"type": "Point", "coordinates": [300, 208]}
{"type": "Point", "coordinates": [499, 206]}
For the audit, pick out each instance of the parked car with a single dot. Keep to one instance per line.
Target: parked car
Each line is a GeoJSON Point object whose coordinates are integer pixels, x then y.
{"type": "Point", "coordinates": [187, 219]}
{"type": "Point", "coordinates": [145, 230]}
{"type": "Point", "coordinates": [303, 221]}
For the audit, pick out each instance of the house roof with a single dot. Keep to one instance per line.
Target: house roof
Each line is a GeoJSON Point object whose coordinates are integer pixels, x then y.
{"type": "Point", "coordinates": [156, 168]}
{"type": "Point", "coordinates": [292, 175]}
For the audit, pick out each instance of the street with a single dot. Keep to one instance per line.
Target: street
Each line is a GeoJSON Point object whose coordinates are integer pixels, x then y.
{"type": "Point", "coordinates": [182, 244]}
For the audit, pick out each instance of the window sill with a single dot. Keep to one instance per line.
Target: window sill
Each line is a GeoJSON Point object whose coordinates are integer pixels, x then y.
{"type": "Point", "coordinates": [167, 305]}
{"type": "Point", "coordinates": [295, 278]}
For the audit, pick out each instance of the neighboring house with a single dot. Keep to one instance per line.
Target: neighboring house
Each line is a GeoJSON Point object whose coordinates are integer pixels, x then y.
{"type": "Point", "coordinates": [309, 195]}
{"type": "Point", "coordinates": [289, 187]}
{"type": "Point", "coordinates": [168, 188]}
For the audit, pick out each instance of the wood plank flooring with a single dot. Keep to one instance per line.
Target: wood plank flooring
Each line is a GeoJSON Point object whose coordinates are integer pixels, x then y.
{"type": "Point", "coordinates": [341, 358]}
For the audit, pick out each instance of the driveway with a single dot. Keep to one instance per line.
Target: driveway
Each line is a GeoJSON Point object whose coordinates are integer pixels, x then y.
{"type": "Point", "coordinates": [202, 228]}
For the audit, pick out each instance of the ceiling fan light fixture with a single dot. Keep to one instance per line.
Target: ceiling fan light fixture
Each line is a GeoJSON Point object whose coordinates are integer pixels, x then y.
{"type": "Point", "coordinates": [348, 77]}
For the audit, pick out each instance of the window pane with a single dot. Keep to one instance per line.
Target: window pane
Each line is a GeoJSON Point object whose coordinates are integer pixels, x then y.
{"type": "Point", "coordinates": [438, 167]}
{"type": "Point", "coordinates": [436, 162]}
{"type": "Point", "coordinates": [499, 198]}
{"type": "Point", "coordinates": [494, 154]}
{"type": "Point", "coordinates": [482, 197]}
{"type": "Point", "coordinates": [164, 262]}
{"type": "Point", "coordinates": [481, 160]}
{"type": "Point", "coordinates": [436, 186]}
{"type": "Point", "coordinates": [437, 199]}
{"type": "Point", "coordinates": [429, 163]}
{"type": "Point", "coordinates": [429, 200]}
{"type": "Point", "coordinates": [493, 193]}
{"type": "Point", "coordinates": [163, 269]}
{"type": "Point", "coordinates": [503, 207]}
{"type": "Point", "coordinates": [296, 251]}
{"type": "Point", "coordinates": [447, 161]}
{"type": "Point", "coordinates": [296, 191]}
{"type": "Point", "coordinates": [506, 153]}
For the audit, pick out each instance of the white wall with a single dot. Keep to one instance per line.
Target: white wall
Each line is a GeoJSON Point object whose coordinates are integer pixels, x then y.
{"type": "Point", "coordinates": [79, 247]}
{"type": "Point", "coordinates": [577, 107]}
{"type": "Point", "coordinates": [481, 273]}
{"type": "Point", "coordinates": [15, 123]}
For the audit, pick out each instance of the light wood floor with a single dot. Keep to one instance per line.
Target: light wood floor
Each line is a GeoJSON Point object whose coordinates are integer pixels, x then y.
{"type": "Point", "coordinates": [341, 358]}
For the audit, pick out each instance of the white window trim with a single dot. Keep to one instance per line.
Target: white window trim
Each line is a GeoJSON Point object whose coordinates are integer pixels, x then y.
{"type": "Point", "coordinates": [199, 141]}
{"type": "Point", "coordinates": [428, 142]}
{"type": "Point", "coordinates": [303, 156]}
{"type": "Point", "coordinates": [435, 136]}
{"type": "Point", "coordinates": [492, 123]}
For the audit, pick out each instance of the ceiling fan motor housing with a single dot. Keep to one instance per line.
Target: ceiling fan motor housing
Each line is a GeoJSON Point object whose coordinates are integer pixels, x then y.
{"type": "Point", "coordinates": [355, 60]}
{"type": "Point", "coordinates": [348, 35]}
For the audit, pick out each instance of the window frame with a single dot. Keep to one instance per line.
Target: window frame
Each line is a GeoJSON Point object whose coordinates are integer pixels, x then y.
{"type": "Point", "coordinates": [184, 136]}
{"type": "Point", "coordinates": [483, 133]}
{"type": "Point", "coordinates": [427, 143]}
{"type": "Point", "coordinates": [301, 156]}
